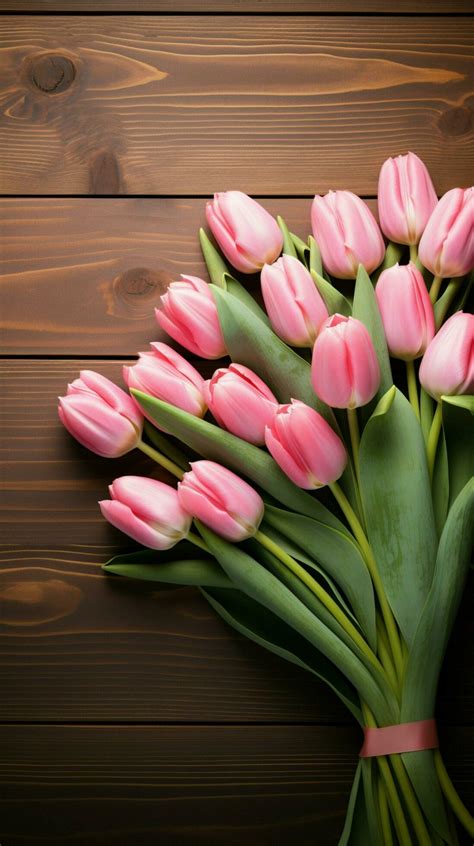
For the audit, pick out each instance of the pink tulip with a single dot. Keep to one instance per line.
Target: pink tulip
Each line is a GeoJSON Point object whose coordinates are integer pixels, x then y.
{"type": "Point", "coordinates": [406, 309]}
{"type": "Point", "coordinates": [447, 367]}
{"type": "Point", "coordinates": [221, 500]}
{"type": "Point", "coordinates": [146, 510]}
{"type": "Point", "coordinates": [246, 233]}
{"type": "Point", "coordinates": [166, 375]}
{"type": "Point", "coordinates": [100, 415]}
{"type": "Point", "coordinates": [188, 314]}
{"type": "Point", "coordinates": [240, 402]}
{"type": "Point", "coordinates": [294, 305]}
{"type": "Point", "coordinates": [406, 198]}
{"type": "Point", "coordinates": [345, 371]}
{"type": "Point", "coordinates": [347, 234]}
{"type": "Point", "coordinates": [447, 244]}
{"type": "Point", "coordinates": [305, 446]}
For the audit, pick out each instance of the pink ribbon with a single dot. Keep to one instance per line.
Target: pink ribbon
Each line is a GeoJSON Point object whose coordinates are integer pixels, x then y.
{"type": "Point", "coordinates": [405, 737]}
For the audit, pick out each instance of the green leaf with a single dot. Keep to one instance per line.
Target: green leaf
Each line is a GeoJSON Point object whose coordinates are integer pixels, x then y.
{"type": "Point", "coordinates": [393, 253]}
{"type": "Point", "coordinates": [396, 494]}
{"type": "Point", "coordinates": [288, 245]}
{"type": "Point", "coordinates": [262, 626]}
{"type": "Point", "coordinates": [429, 646]}
{"type": "Point", "coordinates": [365, 308]}
{"type": "Point", "coordinates": [164, 445]}
{"type": "Point", "coordinates": [354, 800]}
{"type": "Point", "coordinates": [465, 401]}
{"type": "Point", "coordinates": [334, 300]}
{"type": "Point", "coordinates": [254, 580]}
{"type": "Point", "coordinates": [302, 249]}
{"type": "Point", "coordinates": [216, 266]}
{"type": "Point", "coordinates": [338, 555]}
{"type": "Point", "coordinates": [240, 292]}
{"type": "Point", "coordinates": [218, 445]}
{"type": "Point", "coordinates": [186, 568]}
{"type": "Point", "coordinates": [257, 346]}
{"type": "Point", "coordinates": [458, 430]}
{"type": "Point", "coordinates": [315, 262]}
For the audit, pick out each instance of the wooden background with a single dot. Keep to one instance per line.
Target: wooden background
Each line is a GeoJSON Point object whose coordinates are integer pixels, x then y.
{"type": "Point", "coordinates": [130, 715]}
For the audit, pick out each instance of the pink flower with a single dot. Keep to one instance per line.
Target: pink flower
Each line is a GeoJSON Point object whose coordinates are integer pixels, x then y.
{"type": "Point", "coordinates": [294, 305]}
{"type": "Point", "coordinates": [221, 500]}
{"type": "Point", "coordinates": [407, 313]}
{"type": "Point", "coordinates": [100, 415]}
{"type": "Point", "coordinates": [345, 371]}
{"type": "Point", "coordinates": [347, 234]}
{"type": "Point", "coordinates": [447, 244]}
{"type": "Point", "coordinates": [447, 367]}
{"type": "Point", "coordinates": [246, 233]}
{"type": "Point", "coordinates": [305, 446]}
{"type": "Point", "coordinates": [188, 314]}
{"type": "Point", "coordinates": [166, 375]}
{"type": "Point", "coordinates": [146, 510]}
{"type": "Point", "coordinates": [406, 198]}
{"type": "Point", "coordinates": [240, 402]}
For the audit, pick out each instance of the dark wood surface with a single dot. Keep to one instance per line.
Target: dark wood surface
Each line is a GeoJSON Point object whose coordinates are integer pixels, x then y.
{"type": "Point", "coordinates": [188, 105]}
{"type": "Point", "coordinates": [130, 715]}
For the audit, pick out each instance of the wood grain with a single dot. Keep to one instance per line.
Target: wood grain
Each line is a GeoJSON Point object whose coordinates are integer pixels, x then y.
{"type": "Point", "coordinates": [82, 277]}
{"type": "Point", "coordinates": [78, 645]}
{"type": "Point", "coordinates": [406, 7]}
{"type": "Point", "coordinates": [186, 786]}
{"type": "Point", "coordinates": [275, 105]}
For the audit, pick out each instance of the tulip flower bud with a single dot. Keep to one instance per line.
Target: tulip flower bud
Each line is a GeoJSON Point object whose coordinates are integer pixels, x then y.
{"type": "Point", "coordinates": [447, 367]}
{"type": "Point", "coordinates": [246, 233]}
{"type": "Point", "coordinates": [221, 500]}
{"type": "Point", "coordinates": [345, 370]}
{"type": "Point", "coordinates": [240, 402]}
{"type": "Point", "coordinates": [188, 314]}
{"type": "Point", "coordinates": [100, 415]}
{"type": "Point", "coordinates": [293, 303]}
{"type": "Point", "coordinates": [406, 309]}
{"type": "Point", "coordinates": [347, 234]}
{"type": "Point", "coordinates": [447, 244]}
{"type": "Point", "coordinates": [147, 510]}
{"type": "Point", "coordinates": [305, 446]}
{"type": "Point", "coordinates": [406, 198]}
{"type": "Point", "coordinates": [166, 375]}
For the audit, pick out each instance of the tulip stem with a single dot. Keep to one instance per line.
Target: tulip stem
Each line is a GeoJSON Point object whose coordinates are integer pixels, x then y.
{"type": "Point", "coordinates": [413, 388]}
{"type": "Point", "coordinates": [435, 288]}
{"type": "Point", "coordinates": [160, 459]}
{"type": "Point", "coordinates": [444, 303]}
{"type": "Point", "coordinates": [355, 439]}
{"type": "Point", "coordinates": [433, 439]}
{"type": "Point", "coordinates": [384, 813]}
{"type": "Point", "coordinates": [371, 563]}
{"type": "Point", "coordinates": [454, 801]}
{"type": "Point", "coordinates": [322, 595]}
{"type": "Point", "coordinates": [197, 541]}
{"type": "Point", "coordinates": [413, 254]}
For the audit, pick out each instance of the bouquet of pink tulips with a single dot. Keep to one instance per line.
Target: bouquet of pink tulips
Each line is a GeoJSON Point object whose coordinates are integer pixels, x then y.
{"type": "Point", "coordinates": [325, 497]}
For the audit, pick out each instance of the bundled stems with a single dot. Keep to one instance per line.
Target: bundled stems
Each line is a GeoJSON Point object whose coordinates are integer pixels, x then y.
{"type": "Point", "coordinates": [454, 801]}
{"type": "Point", "coordinates": [412, 388]}
{"type": "Point", "coordinates": [369, 559]}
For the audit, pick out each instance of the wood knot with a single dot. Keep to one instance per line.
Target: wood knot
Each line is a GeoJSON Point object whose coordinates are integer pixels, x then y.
{"type": "Point", "coordinates": [51, 73]}
{"type": "Point", "coordinates": [136, 290]}
{"type": "Point", "coordinates": [34, 603]}
{"type": "Point", "coordinates": [456, 121]}
{"type": "Point", "coordinates": [104, 174]}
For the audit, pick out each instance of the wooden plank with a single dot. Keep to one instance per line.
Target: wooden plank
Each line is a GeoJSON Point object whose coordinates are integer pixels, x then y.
{"type": "Point", "coordinates": [186, 786]}
{"type": "Point", "coordinates": [82, 277]}
{"type": "Point", "coordinates": [407, 7]}
{"type": "Point", "coordinates": [78, 645]}
{"type": "Point", "coordinates": [274, 105]}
